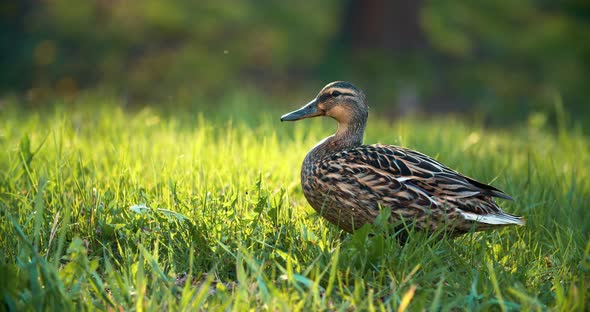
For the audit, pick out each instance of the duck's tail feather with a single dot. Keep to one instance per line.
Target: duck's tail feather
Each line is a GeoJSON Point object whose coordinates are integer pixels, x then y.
{"type": "Point", "coordinates": [498, 219]}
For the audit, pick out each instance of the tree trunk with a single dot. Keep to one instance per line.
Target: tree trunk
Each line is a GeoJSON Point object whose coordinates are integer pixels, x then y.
{"type": "Point", "coordinates": [392, 25]}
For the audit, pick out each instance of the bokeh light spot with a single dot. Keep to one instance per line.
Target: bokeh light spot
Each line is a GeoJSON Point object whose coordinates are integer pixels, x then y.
{"type": "Point", "coordinates": [66, 86]}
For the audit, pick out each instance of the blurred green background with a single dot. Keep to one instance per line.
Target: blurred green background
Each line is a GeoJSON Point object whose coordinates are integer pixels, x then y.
{"type": "Point", "coordinates": [504, 62]}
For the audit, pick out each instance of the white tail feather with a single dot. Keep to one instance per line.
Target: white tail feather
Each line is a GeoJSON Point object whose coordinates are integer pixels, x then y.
{"type": "Point", "coordinates": [495, 219]}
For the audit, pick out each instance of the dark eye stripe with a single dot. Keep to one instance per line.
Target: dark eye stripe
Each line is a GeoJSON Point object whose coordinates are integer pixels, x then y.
{"type": "Point", "coordinates": [328, 94]}
{"type": "Point", "coordinates": [323, 97]}
{"type": "Point", "coordinates": [336, 93]}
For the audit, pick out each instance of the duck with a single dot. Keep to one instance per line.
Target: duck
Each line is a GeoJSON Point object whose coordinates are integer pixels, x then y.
{"type": "Point", "coordinates": [349, 183]}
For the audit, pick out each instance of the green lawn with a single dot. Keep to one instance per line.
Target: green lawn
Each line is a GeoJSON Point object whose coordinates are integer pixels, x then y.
{"type": "Point", "coordinates": [113, 210]}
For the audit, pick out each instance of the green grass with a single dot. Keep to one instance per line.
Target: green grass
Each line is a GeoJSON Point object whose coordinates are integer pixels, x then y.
{"type": "Point", "coordinates": [234, 231]}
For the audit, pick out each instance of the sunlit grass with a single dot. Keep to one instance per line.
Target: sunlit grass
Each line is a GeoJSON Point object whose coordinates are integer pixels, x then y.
{"type": "Point", "coordinates": [107, 209]}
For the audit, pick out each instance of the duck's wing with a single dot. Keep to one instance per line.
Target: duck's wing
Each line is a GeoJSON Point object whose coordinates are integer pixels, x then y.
{"type": "Point", "coordinates": [434, 177]}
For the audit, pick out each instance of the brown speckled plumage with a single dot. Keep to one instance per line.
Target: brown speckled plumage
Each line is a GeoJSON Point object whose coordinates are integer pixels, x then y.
{"type": "Point", "coordinates": [348, 183]}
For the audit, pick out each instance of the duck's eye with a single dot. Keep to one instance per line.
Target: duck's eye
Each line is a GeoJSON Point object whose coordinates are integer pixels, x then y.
{"type": "Point", "coordinates": [336, 93]}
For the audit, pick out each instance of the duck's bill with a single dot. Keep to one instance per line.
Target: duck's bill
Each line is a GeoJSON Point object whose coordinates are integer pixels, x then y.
{"type": "Point", "coordinates": [307, 111]}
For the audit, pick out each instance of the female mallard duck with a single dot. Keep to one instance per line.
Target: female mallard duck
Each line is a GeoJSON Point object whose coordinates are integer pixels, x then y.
{"type": "Point", "coordinates": [348, 183]}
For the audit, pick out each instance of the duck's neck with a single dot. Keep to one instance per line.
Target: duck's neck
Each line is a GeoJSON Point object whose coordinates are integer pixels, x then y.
{"type": "Point", "coordinates": [348, 135]}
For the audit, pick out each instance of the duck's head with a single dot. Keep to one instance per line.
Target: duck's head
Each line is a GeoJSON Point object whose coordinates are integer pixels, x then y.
{"type": "Point", "coordinates": [340, 100]}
